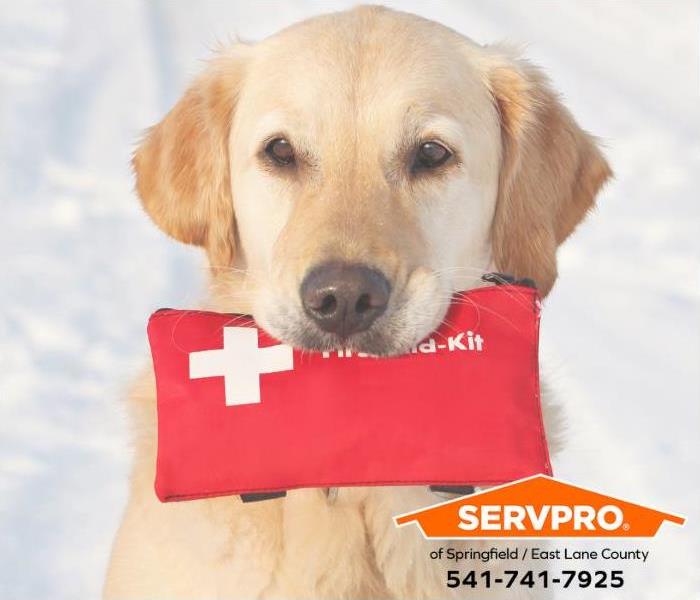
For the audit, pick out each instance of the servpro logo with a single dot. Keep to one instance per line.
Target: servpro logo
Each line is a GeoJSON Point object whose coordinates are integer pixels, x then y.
{"type": "Point", "coordinates": [537, 507]}
{"type": "Point", "coordinates": [520, 518]}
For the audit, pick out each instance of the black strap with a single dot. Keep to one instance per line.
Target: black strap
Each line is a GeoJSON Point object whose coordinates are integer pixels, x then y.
{"type": "Point", "coordinates": [461, 490]}
{"type": "Point", "coordinates": [262, 496]}
{"type": "Point", "coordinates": [504, 279]}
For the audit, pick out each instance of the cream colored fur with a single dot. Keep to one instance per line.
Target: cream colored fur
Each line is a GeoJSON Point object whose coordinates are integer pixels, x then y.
{"type": "Point", "coordinates": [354, 92]}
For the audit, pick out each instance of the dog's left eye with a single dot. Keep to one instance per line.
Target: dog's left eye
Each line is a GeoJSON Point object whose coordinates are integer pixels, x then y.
{"type": "Point", "coordinates": [430, 155]}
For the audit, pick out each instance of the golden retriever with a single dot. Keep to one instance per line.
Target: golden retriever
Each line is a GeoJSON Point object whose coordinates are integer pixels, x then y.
{"type": "Point", "coordinates": [344, 177]}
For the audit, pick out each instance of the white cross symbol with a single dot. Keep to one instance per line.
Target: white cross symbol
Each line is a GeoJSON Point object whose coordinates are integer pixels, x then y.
{"type": "Point", "coordinates": [240, 362]}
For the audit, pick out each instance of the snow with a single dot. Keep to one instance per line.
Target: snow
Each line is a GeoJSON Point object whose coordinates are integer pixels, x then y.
{"type": "Point", "coordinates": [83, 267]}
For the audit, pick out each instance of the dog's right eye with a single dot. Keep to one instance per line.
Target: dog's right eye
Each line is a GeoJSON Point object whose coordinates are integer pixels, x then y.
{"type": "Point", "coordinates": [280, 151]}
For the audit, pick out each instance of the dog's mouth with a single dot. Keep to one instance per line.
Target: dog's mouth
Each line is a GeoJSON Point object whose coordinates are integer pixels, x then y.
{"type": "Point", "coordinates": [375, 341]}
{"type": "Point", "coordinates": [402, 325]}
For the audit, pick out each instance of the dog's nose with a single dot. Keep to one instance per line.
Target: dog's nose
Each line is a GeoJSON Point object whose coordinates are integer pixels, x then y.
{"type": "Point", "coordinates": [344, 298]}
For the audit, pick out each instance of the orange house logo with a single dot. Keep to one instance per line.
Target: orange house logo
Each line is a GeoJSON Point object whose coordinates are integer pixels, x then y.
{"type": "Point", "coordinates": [537, 507]}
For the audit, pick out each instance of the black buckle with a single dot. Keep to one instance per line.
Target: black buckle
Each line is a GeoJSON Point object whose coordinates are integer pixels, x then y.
{"type": "Point", "coordinates": [505, 279]}
{"type": "Point", "coordinates": [258, 497]}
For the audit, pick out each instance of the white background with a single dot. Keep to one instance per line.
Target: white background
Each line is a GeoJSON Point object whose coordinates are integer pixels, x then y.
{"type": "Point", "coordinates": [82, 267]}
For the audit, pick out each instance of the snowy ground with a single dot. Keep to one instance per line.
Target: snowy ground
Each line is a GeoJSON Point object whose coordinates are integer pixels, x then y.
{"type": "Point", "coordinates": [82, 267]}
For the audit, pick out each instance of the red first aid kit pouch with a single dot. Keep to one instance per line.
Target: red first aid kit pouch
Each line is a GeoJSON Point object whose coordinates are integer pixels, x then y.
{"type": "Point", "coordinates": [240, 413]}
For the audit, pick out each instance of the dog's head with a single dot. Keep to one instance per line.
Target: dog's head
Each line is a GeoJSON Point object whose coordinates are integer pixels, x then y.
{"type": "Point", "coordinates": [348, 174]}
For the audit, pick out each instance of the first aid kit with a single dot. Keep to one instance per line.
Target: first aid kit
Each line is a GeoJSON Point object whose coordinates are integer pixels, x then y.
{"type": "Point", "coordinates": [241, 413]}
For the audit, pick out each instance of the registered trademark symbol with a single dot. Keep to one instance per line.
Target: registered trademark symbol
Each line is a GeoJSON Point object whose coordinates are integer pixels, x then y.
{"type": "Point", "coordinates": [626, 526]}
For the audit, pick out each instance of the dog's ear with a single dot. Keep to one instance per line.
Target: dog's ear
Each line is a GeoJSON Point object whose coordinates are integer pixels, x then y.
{"type": "Point", "coordinates": [551, 171]}
{"type": "Point", "coordinates": [182, 164]}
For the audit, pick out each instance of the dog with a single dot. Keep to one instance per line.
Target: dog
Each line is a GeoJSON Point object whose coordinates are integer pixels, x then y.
{"type": "Point", "coordinates": [344, 177]}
